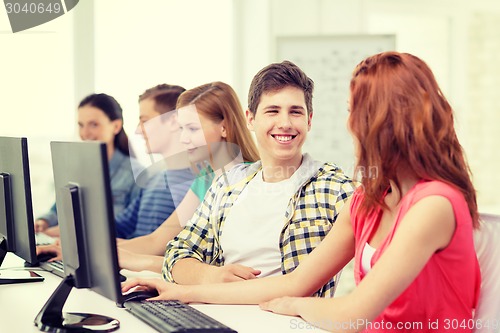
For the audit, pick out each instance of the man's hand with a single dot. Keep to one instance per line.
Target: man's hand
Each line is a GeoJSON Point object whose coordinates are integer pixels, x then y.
{"type": "Point", "coordinates": [52, 249]}
{"type": "Point", "coordinates": [231, 273]}
{"type": "Point", "coordinates": [193, 271]}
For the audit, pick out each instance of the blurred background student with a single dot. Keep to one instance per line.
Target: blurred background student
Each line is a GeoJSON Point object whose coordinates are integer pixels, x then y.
{"type": "Point", "coordinates": [162, 185]}
{"type": "Point", "coordinates": [100, 119]}
{"type": "Point", "coordinates": [165, 183]}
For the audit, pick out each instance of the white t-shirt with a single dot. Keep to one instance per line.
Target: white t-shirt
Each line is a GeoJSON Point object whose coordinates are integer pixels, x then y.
{"type": "Point", "coordinates": [366, 258]}
{"type": "Point", "coordinates": [251, 232]}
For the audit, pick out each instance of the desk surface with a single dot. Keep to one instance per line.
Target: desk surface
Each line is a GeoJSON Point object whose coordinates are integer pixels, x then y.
{"type": "Point", "coordinates": [20, 303]}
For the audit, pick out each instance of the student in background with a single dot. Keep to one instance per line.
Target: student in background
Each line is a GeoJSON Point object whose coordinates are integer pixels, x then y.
{"type": "Point", "coordinates": [171, 178]}
{"type": "Point", "coordinates": [100, 119]}
{"type": "Point", "coordinates": [167, 183]}
{"type": "Point", "coordinates": [262, 219]}
{"type": "Point", "coordinates": [214, 133]}
{"type": "Point", "coordinates": [409, 226]}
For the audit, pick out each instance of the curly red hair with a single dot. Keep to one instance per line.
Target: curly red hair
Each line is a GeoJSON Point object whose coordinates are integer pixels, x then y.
{"type": "Point", "coordinates": [399, 116]}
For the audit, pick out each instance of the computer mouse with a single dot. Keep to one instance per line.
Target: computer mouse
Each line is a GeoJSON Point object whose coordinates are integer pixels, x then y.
{"type": "Point", "coordinates": [139, 295]}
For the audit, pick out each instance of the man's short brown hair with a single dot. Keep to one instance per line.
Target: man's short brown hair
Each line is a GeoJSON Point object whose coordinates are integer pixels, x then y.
{"type": "Point", "coordinates": [164, 95]}
{"type": "Point", "coordinates": [276, 77]}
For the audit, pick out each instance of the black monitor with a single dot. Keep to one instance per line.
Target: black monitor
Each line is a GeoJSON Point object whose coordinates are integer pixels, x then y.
{"type": "Point", "coordinates": [87, 233]}
{"type": "Point", "coordinates": [16, 211]}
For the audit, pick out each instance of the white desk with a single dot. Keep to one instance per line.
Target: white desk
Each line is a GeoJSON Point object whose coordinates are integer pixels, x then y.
{"type": "Point", "coordinates": [20, 303]}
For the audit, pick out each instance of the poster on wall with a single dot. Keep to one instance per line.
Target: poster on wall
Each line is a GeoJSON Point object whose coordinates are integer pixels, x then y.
{"type": "Point", "coordinates": [329, 62]}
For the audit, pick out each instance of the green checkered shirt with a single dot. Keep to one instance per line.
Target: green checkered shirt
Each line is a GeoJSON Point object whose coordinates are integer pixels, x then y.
{"type": "Point", "coordinates": [310, 214]}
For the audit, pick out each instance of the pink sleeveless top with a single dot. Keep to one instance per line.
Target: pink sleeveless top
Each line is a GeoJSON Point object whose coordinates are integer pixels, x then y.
{"type": "Point", "coordinates": [444, 294]}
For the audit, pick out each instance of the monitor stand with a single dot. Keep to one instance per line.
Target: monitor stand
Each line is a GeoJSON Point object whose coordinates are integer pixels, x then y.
{"type": "Point", "coordinates": [3, 249]}
{"type": "Point", "coordinates": [52, 319]}
{"type": "Point", "coordinates": [8, 276]}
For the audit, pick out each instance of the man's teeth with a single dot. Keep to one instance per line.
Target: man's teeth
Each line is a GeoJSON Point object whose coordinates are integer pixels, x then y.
{"type": "Point", "coordinates": [283, 138]}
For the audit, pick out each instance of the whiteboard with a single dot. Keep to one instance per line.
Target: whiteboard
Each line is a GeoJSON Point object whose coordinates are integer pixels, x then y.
{"type": "Point", "coordinates": [329, 62]}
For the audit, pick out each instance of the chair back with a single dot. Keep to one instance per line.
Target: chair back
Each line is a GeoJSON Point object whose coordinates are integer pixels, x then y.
{"type": "Point", "coordinates": [487, 244]}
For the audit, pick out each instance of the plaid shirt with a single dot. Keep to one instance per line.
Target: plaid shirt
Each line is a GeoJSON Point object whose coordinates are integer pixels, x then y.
{"type": "Point", "coordinates": [310, 214]}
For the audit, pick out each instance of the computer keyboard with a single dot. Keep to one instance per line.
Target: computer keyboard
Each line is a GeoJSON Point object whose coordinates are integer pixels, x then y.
{"type": "Point", "coordinates": [54, 267]}
{"type": "Point", "coordinates": [57, 268]}
{"type": "Point", "coordinates": [173, 317]}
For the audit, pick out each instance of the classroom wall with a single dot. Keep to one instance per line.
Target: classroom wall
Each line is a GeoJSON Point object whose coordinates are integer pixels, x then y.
{"type": "Point", "coordinates": [122, 48]}
{"type": "Point", "coordinates": [458, 39]}
{"type": "Point", "coordinates": [37, 94]}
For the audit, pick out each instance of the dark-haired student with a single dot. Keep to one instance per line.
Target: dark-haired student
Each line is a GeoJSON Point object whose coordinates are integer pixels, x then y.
{"type": "Point", "coordinates": [100, 119]}
{"type": "Point", "coordinates": [161, 190]}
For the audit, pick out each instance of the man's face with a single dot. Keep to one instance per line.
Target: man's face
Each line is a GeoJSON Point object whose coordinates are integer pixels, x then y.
{"type": "Point", "coordinates": [156, 128]}
{"type": "Point", "coordinates": [281, 123]}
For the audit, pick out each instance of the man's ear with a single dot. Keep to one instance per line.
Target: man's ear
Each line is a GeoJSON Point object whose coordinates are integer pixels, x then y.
{"type": "Point", "coordinates": [309, 121]}
{"type": "Point", "coordinates": [250, 119]}
{"type": "Point", "coordinates": [172, 121]}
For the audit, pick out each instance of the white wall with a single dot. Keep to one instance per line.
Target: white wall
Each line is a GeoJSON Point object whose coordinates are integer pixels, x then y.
{"type": "Point", "coordinates": [127, 46]}
{"type": "Point", "coordinates": [458, 39]}
{"type": "Point", "coordinates": [188, 43]}
{"type": "Point", "coordinates": [36, 94]}
{"type": "Point", "coordinates": [115, 46]}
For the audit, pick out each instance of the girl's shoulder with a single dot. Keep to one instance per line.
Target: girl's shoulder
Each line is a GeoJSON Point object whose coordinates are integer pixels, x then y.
{"type": "Point", "coordinates": [425, 188]}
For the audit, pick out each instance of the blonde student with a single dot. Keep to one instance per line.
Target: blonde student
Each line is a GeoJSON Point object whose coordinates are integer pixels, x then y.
{"type": "Point", "coordinates": [213, 133]}
{"type": "Point", "coordinates": [408, 227]}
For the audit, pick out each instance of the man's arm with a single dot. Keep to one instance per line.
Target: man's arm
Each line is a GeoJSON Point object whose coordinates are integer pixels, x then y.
{"type": "Point", "coordinates": [195, 241]}
{"type": "Point", "coordinates": [47, 220]}
{"type": "Point", "coordinates": [126, 221]}
{"type": "Point", "coordinates": [139, 262]}
{"type": "Point", "coordinates": [192, 271]}
{"type": "Point", "coordinates": [155, 242]}
{"type": "Point", "coordinates": [191, 257]}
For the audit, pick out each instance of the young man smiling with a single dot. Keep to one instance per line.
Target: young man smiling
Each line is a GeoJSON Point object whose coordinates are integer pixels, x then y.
{"type": "Point", "coordinates": [263, 219]}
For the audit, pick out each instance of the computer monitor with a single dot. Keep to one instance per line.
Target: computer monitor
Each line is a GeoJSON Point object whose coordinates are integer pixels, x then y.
{"type": "Point", "coordinates": [16, 211]}
{"type": "Point", "coordinates": [87, 234]}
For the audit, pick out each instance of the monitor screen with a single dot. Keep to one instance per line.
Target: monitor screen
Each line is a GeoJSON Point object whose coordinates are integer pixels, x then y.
{"type": "Point", "coordinates": [16, 211]}
{"type": "Point", "coordinates": [86, 220]}
{"type": "Point", "coordinates": [87, 233]}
